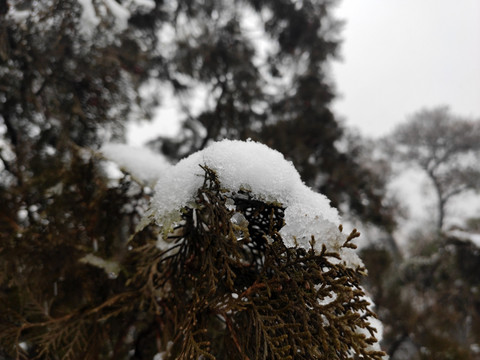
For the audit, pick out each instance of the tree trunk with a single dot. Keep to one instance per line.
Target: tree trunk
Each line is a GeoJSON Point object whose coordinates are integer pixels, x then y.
{"type": "Point", "coordinates": [442, 200]}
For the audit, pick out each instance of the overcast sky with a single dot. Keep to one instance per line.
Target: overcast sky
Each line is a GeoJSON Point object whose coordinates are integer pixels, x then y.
{"type": "Point", "coordinates": [402, 55]}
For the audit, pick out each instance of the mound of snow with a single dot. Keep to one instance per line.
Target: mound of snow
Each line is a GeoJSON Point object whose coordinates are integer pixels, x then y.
{"type": "Point", "coordinates": [266, 174]}
{"type": "Point", "coordinates": [142, 163]}
{"type": "Point", "coordinates": [466, 236]}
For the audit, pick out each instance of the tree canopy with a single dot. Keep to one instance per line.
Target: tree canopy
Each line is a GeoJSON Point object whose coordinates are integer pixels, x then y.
{"type": "Point", "coordinates": [446, 147]}
{"type": "Point", "coordinates": [261, 68]}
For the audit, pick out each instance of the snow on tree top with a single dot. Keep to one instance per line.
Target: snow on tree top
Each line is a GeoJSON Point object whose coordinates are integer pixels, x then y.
{"type": "Point", "coordinates": [145, 165]}
{"type": "Point", "coordinates": [269, 177]}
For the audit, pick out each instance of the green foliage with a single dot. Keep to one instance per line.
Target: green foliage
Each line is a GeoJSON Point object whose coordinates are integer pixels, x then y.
{"type": "Point", "coordinates": [221, 289]}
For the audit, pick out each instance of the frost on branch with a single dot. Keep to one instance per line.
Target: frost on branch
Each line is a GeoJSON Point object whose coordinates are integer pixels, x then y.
{"type": "Point", "coordinates": [251, 263]}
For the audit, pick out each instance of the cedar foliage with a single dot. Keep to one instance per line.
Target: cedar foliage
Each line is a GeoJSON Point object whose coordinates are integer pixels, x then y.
{"type": "Point", "coordinates": [47, 296]}
{"type": "Point", "coordinates": [222, 289]}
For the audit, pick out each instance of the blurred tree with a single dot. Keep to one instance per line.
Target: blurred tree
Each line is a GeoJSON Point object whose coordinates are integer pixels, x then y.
{"type": "Point", "coordinates": [262, 68]}
{"type": "Point", "coordinates": [446, 147]}
{"type": "Point", "coordinates": [62, 91]}
{"type": "Point", "coordinates": [429, 302]}
{"type": "Point", "coordinates": [427, 299]}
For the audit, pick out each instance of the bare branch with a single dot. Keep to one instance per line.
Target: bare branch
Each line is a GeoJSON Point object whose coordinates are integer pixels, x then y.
{"type": "Point", "coordinates": [446, 147]}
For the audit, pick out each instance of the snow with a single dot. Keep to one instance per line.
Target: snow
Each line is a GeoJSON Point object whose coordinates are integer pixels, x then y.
{"type": "Point", "coordinates": [89, 19]}
{"type": "Point", "coordinates": [143, 164]}
{"type": "Point", "coordinates": [466, 236]}
{"type": "Point", "coordinates": [19, 16]}
{"type": "Point", "coordinates": [164, 354]}
{"type": "Point", "coordinates": [112, 268]}
{"type": "Point", "coordinates": [266, 174]}
{"type": "Point", "coordinates": [145, 4]}
{"type": "Point", "coordinates": [120, 14]}
{"type": "Point", "coordinates": [159, 356]}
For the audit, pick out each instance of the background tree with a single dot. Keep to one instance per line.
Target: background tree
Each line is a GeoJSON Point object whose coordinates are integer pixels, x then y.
{"type": "Point", "coordinates": [428, 300]}
{"type": "Point", "coordinates": [261, 68]}
{"type": "Point", "coordinates": [446, 147]}
{"type": "Point", "coordinates": [426, 297]}
{"type": "Point", "coordinates": [273, 87]}
{"type": "Point", "coordinates": [63, 90]}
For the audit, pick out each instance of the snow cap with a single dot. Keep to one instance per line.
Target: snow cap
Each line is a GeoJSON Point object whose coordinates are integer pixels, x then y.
{"type": "Point", "coordinates": [142, 163]}
{"type": "Point", "coordinates": [269, 177]}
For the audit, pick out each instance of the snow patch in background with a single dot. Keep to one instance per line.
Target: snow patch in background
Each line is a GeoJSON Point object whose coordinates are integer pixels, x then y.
{"type": "Point", "coordinates": [142, 163]}
{"type": "Point", "coordinates": [89, 19]}
{"type": "Point", "coordinates": [19, 16]}
{"type": "Point", "coordinates": [121, 13]}
{"type": "Point", "coordinates": [146, 5]}
{"type": "Point", "coordinates": [466, 236]}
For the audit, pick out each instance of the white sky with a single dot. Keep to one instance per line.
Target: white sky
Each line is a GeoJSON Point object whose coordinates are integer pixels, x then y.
{"type": "Point", "coordinates": [402, 55]}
